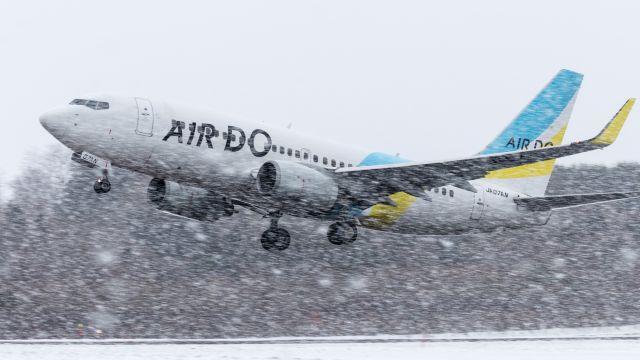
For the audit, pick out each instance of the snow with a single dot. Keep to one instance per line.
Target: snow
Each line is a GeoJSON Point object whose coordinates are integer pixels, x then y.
{"type": "Point", "coordinates": [584, 344]}
{"type": "Point", "coordinates": [523, 350]}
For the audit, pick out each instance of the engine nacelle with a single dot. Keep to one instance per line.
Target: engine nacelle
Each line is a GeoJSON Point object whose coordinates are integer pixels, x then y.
{"type": "Point", "coordinates": [190, 202]}
{"type": "Point", "coordinates": [297, 186]}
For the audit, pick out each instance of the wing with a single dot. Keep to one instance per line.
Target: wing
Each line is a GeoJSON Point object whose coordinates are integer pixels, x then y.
{"type": "Point", "coordinates": [412, 178]}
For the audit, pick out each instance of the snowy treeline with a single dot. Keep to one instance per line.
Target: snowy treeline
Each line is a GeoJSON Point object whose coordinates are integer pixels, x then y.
{"type": "Point", "coordinates": [77, 264]}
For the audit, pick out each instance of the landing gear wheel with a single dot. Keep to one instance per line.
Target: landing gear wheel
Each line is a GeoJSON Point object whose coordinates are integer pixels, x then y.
{"type": "Point", "coordinates": [275, 239]}
{"type": "Point", "coordinates": [102, 186]}
{"type": "Point", "coordinates": [229, 209]}
{"type": "Point", "coordinates": [341, 233]}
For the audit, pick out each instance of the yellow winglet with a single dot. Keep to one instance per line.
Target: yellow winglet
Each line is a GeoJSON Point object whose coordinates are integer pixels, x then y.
{"type": "Point", "coordinates": [610, 133]}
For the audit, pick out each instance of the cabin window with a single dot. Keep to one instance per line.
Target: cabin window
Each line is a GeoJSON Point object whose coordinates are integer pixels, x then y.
{"type": "Point", "coordinates": [350, 165]}
{"type": "Point", "coordinates": [274, 148]}
{"type": "Point", "coordinates": [289, 151]}
{"type": "Point", "coordinates": [325, 160]}
{"type": "Point", "coordinates": [341, 163]}
{"type": "Point", "coordinates": [297, 154]}
{"type": "Point", "coordinates": [305, 155]}
{"type": "Point", "coordinates": [451, 193]}
{"type": "Point", "coordinates": [315, 158]}
{"type": "Point", "coordinates": [333, 163]}
{"type": "Point", "coordinates": [444, 191]}
{"type": "Point", "coordinates": [282, 150]}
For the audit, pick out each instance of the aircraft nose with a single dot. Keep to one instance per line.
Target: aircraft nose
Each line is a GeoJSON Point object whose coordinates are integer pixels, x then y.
{"type": "Point", "coordinates": [55, 122]}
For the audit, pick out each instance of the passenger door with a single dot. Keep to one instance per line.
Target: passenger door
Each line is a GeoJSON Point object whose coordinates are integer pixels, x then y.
{"type": "Point", "coordinates": [145, 117]}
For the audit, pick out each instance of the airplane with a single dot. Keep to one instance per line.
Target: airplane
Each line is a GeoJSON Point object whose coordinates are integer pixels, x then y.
{"type": "Point", "coordinates": [203, 166]}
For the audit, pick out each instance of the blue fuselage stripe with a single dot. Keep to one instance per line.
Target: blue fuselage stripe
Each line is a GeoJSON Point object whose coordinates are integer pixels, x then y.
{"type": "Point", "coordinates": [377, 158]}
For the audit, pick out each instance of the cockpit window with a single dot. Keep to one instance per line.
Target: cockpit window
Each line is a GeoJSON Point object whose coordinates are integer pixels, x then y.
{"type": "Point", "coordinates": [102, 105]}
{"type": "Point", "coordinates": [91, 104]}
{"type": "Point", "coordinates": [78, 102]}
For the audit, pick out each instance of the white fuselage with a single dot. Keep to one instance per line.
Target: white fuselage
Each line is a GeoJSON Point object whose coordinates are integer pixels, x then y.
{"type": "Point", "coordinates": [223, 155]}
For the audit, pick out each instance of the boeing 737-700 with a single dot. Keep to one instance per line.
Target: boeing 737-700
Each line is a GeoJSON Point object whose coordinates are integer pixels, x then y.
{"type": "Point", "coordinates": [204, 166]}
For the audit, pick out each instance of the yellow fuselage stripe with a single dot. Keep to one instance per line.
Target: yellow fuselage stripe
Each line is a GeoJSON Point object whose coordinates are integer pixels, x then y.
{"type": "Point", "coordinates": [383, 215]}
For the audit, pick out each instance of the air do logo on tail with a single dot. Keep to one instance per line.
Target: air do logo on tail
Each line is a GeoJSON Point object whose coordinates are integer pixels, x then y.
{"type": "Point", "coordinates": [542, 123]}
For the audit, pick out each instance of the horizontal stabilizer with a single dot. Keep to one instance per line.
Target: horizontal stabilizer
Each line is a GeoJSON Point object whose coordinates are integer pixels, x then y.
{"type": "Point", "coordinates": [547, 203]}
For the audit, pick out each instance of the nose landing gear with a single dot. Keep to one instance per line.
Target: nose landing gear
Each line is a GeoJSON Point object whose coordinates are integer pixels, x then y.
{"type": "Point", "coordinates": [102, 185]}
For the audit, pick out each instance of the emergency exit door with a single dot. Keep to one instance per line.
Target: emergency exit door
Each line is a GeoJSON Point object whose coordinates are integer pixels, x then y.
{"type": "Point", "coordinates": [145, 117]}
{"type": "Point", "coordinates": [478, 205]}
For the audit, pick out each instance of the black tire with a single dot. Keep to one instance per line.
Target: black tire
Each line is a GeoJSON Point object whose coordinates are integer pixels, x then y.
{"type": "Point", "coordinates": [275, 239]}
{"type": "Point", "coordinates": [97, 187]}
{"type": "Point", "coordinates": [106, 186]}
{"type": "Point", "coordinates": [342, 233]}
{"type": "Point", "coordinates": [102, 187]}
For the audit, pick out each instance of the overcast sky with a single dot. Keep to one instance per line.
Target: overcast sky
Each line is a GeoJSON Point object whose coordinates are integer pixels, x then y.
{"type": "Point", "coordinates": [428, 80]}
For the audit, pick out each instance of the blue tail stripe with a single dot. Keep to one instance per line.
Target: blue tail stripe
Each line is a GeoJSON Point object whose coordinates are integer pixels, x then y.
{"type": "Point", "coordinates": [541, 112]}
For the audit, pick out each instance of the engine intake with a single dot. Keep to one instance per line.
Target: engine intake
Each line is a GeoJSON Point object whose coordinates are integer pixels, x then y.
{"type": "Point", "coordinates": [297, 186]}
{"type": "Point", "coordinates": [190, 202]}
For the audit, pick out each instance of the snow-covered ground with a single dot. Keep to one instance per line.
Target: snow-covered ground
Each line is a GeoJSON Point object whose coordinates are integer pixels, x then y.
{"type": "Point", "coordinates": [584, 344]}
{"type": "Point", "coordinates": [494, 350]}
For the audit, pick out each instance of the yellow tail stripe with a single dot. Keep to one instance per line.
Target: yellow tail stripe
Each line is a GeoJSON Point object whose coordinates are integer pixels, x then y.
{"type": "Point", "coordinates": [536, 169]}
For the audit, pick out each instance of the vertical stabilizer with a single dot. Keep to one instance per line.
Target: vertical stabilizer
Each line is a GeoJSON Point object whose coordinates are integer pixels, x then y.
{"type": "Point", "coordinates": [541, 123]}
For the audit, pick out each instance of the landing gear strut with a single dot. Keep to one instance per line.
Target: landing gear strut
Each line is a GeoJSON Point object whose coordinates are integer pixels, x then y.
{"type": "Point", "coordinates": [341, 233]}
{"type": "Point", "coordinates": [275, 238]}
{"type": "Point", "coordinates": [102, 185]}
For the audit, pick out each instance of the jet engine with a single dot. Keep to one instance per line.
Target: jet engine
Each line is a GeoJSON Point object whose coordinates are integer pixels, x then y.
{"type": "Point", "coordinates": [191, 202]}
{"type": "Point", "coordinates": [297, 186]}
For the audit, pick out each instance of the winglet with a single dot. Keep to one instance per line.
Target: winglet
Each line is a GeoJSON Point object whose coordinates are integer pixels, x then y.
{"type": "Point", "coordinates": [610, 133]}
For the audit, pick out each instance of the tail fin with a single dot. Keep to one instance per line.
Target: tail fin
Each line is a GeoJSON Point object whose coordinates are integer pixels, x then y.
{"type": "Point", "coordinates": [542, 123]}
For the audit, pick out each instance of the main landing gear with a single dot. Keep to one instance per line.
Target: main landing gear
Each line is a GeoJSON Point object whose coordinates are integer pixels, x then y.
{"type": "Point", "coordinates": [102, 185]}
{"type": "Point", "coordinates": [275, 238]}
{"type": "Point", "coordinates": [342, 233]}
{"type": "Point", "coordinates": [278, 239]}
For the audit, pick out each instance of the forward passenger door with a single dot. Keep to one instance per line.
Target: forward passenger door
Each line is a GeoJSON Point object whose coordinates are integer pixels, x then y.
{"type": "Point", "coordinates": [145, 117]}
